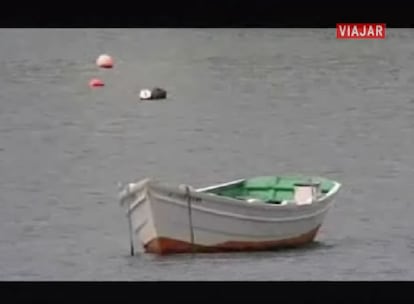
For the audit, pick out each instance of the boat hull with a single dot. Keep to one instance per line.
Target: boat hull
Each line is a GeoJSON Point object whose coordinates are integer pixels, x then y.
{"type": "Point", "coordinates": [164, 245]}
{"type": "Point", "coordinates": [169, 219]}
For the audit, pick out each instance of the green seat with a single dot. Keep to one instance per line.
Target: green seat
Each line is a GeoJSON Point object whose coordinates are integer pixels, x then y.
{"type": "Point", "coordinates": [262, 182]}
{"type": "Point", "coordinates": [262, 195]}
{"type": "Point", "coordinates": [283, 195]}
{"type": "Point", "coordinates": [270, 188]}
{"type": "Point", "coordinates": [287, 184]}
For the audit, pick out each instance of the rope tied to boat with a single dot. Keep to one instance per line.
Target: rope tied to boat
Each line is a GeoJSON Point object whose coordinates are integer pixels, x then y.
{"type": "Point", "coordinates": [190, 219]}
{"type": "Point", "coordinates": [129, 216]}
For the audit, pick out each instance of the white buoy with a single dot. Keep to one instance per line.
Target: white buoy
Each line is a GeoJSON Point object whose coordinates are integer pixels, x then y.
{"type": "Point", "coordinates": [105, 61]}
{"type": "Point", "coordinates": [145, 94]}
{"type": "Point", "coordinates": [155, 93]}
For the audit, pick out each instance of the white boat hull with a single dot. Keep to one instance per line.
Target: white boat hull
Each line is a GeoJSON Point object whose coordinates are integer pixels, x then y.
{"type": "Point", "coordinates": [177, 219]}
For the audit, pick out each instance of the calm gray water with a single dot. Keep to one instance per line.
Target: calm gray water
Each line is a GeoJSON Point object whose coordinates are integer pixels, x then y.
{"type": "Point", "coordinates": [242, 102]}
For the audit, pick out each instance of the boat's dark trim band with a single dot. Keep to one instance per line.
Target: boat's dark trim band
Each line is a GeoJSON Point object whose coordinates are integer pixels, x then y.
{"type": "Point", "coordinates": [162, 245]}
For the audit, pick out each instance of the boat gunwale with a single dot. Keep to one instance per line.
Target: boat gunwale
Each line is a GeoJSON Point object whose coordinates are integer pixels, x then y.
{"type": "Point", "coordinates": [335, 188]}
{"type": "Point", "coordinates": [285, 205]}
{"type": "Point", "coordinates": [134, 188]}
{"type": "Point", "coordinates": [212, 187]}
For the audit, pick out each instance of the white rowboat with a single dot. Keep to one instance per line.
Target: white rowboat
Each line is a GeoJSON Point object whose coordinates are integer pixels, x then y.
{"type": "Point", "coordinates": [259, 213]}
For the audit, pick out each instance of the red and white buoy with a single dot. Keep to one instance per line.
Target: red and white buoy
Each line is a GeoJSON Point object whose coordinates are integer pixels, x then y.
{"type": "Point", "coordinates": [105, 61]}
{"type": "Point", "coordinates": [95, 82]}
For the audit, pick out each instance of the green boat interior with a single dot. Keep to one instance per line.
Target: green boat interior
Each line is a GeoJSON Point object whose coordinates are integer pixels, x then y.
{"type": "Point", "coordinates": [270, 189]}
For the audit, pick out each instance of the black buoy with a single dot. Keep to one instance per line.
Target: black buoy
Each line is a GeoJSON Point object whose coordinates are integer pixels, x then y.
{"type": "Point", "coordinates": [155, 93]}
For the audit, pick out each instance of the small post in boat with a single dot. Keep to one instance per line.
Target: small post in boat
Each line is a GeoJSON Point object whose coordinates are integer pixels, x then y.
{"type": "Point", "coordinates": [306, 193]}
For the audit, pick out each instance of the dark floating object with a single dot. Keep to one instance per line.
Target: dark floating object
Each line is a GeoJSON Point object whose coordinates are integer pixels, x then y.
{"type": "Point", "coordinates": [155, 93]}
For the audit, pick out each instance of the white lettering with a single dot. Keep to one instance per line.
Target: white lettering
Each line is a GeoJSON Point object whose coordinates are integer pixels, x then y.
{"type": "Point", "coordinates": [355, 31]}
{"type": "Point", "coordinates": [364, 31]}
{"type": "Point", "coordinates": [379, 31]}
{"type": "Point", "coordinates": [342, 29]}
{"type": "Point", "coordinates": [371, 31]}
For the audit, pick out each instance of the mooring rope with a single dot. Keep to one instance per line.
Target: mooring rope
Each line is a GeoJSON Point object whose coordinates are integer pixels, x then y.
{"type": "Point", "coordinates": [190, 219]}
{"type": "Point", "coordinates": [131, 233]}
